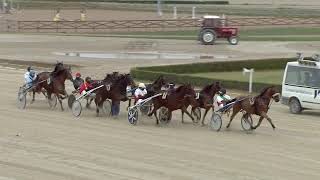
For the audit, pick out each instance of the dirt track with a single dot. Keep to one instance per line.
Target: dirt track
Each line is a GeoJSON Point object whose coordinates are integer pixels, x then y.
{"type": "Point", "coordinates": [39, 143]}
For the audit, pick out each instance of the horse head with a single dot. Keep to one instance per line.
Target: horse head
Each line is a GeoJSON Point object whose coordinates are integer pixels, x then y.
{"type": "Point", "coordinates": [271, 92]}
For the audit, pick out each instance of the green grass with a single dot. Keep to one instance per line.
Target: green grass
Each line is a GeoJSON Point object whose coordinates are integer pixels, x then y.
{"type": "Point", "coordinates": [265, 34]}
{"type": "Point", "coordinates": [269, 77]}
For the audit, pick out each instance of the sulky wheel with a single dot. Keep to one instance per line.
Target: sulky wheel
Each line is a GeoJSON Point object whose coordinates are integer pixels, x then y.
{"type": "Point", "coordinates": [164, 115]}
{"type": "Point", "coordinates": [196, 114]}
{"type": "Point", "coordinates": [106, 108]}
{"type": "Point", "coordinates": [71, 99]}
{"type": "Point", "coordinates": [215, 122]}
{"type": "Point", "coordinates": [133, 116]}
{"type": "Point", "coordinates": [53, 101]}
{"type": "Point", "coordinates": [246, 122]}
{"type": "Point", "coordinates": [76, 108]}
{"type": "Point", "coordinates": [145, 108]}
{"type": "Point", "coordinates": [208, 36]}
{"type": "Point", "coordinates": [22, 98]}
{"type": "Point", "coordinates": [233, 40]}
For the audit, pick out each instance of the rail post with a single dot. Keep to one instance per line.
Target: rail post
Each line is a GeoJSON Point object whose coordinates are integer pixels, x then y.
{"type": "Point", "coordinates": [175, 12]}
{"type": "Point", "coordinates": [193, 12]}
{"type": "Point", "coordinates": [250, 71]}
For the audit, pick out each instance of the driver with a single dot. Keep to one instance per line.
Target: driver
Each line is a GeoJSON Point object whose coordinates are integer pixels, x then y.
{"type": "Point", "coordinates": [78, 81]}
{"type": "Point", "coordinates": [223, 98]}
{"type": "Point", "coordinates": [86, 86]}
{"type": "Point", "coordinates": [139, 93]}
{"type": "Point", "coordinates": [29, 77]}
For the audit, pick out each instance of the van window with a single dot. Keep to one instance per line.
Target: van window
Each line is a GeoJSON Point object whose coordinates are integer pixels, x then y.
{"type": "Point", "coordinates": [303, 76]}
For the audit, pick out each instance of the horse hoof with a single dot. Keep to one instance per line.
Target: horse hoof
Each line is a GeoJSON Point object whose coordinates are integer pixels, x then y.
{"type": "Point", "coordinates": [203, 125]}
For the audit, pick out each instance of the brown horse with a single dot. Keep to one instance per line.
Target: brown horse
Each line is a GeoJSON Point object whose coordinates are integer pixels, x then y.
{"type": "Point", "coordinates": [259, 105]}
{"type": "Point", "coordinates": [205, 99]}
{"type": "Point", "coordinates": [54, 82]}
{"type": "Point", "coordinates": [177, 99]}
{"type": "Point", "coordinates": [114, 88]}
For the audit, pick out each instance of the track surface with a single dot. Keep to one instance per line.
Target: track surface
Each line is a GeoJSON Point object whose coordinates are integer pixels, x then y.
{"type": "Point", "coordinates": [39, 143]}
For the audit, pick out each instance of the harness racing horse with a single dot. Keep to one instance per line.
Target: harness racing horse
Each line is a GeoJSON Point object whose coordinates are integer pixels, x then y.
{"type": "Point", "coordinates": [259, 105]}
{"type": "Point", "coordinates": [180, 98]}
{"type": "Point", "coordinates": [206, 96]}
{"type": "Point", "coordinates": [54, 82]}
{"type": "Point", "coordinates": [115, 88]}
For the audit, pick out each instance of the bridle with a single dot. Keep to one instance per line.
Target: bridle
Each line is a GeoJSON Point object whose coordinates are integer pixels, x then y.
{"type": "Point", "coordinates": [272, 98]}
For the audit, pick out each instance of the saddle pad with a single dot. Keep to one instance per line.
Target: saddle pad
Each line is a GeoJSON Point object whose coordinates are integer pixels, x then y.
{"type": "Point", "coordinates": [164, 95]}
{"type": "Point", "coordinates": [108, 87]}
{"type": "Point", "coordinates": [251, 100]}
{"type": "Point", "coordinates": [197, 95]}
{"type": "Point", "coordinates": [49, 80]}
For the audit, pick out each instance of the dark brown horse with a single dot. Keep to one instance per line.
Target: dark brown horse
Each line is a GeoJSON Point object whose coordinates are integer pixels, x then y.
{"type": "Point", "coordinates": [177, 99]}
{"type": "Point", "coordinates": [54, 82]}
{"type": "Point", "coordinates": [205, 99]}
{"type": "Point", "coordinates": [114, 88]}
{"type": "Point", "coordinates": [258, 105]}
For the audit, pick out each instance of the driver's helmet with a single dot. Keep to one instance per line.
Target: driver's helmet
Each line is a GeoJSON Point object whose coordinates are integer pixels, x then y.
{"type": "Point", "coordinates": [32, 73]}
{"type": "Point", "coordinates": [142, 86]}
{"type": "Point", "coordinates": [29, 68]}
{"type": "Point", "coordinates": [222, 91]}
{"type": "Point", "coordinates": [78, 75]}
{"type": "Point", "coordinates": [171, 85]}
{"type": "Point", "coordinates": [88, 79]}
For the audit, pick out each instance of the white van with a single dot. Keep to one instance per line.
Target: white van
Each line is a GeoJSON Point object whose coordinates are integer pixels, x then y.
{"type": "Point", "coordinates": [301, 84]}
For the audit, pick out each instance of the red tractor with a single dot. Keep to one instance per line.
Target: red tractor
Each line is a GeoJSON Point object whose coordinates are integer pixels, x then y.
{"type": "Point", "coordinates": [213, 27]}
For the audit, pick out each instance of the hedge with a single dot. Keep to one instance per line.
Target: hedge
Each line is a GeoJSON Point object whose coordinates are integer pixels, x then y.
{"type": "Point", "coordinates": [262, 64]}
{"type": "Point", "coordinates": [144, 1]}
{"type": "Point", "coordinates": [197, 81]}
{"type": "Point", "coordinates": [177, 73]}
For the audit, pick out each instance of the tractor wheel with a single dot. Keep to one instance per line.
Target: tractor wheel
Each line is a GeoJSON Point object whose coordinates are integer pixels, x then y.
{"type": "Point", "coordinates": [208, 36]}
{"type": "Point", "coordinates": [233, 40]}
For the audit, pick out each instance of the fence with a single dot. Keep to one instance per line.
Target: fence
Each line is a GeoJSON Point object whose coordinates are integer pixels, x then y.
{"type": "Point", "coordinates": [144, 25]}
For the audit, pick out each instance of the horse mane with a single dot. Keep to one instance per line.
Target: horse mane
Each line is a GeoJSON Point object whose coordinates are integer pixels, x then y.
{"type": "Point", "coordinates": [180, 88]}
{"type": "Point", "coordinates": [158, 79]}
{"type": "Point", "coordinates": [207, 88]}
{"type": "Point", "coordinates": [264, 90]}
{"type": "Point", "coordinates": [55, 71]}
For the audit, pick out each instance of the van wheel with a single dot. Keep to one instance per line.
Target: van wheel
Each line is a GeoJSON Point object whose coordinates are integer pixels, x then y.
{"type": "Point", "coordinates": [295, 106]}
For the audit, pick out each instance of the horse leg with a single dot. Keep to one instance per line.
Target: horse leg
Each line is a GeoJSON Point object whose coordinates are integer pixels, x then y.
{"type": "Point", "coordinates": [60, 101]}
{"type": "Point", "coordinates": [33, 96]}
{"type": "Point", "coordinates": [234, 113]}
{"type": "Point", "coordinates": [129, 104]}
{"type": "Point", "coordinates": [259, 122]}
{"type": "Point", "coordinates": [182, 114]}
{"type": "Point", "coordinates": [264, 114]}
{"type": "Point", "coordinates": [155, 115]}
{"type": "Point", "coordinates": [204, 116]}
{"type": "Point", "coordinates": [184, 109]}
{"type": "Point", "coordinates": [97, 106]}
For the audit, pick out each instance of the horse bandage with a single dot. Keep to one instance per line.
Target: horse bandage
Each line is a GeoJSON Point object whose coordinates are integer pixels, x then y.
{"type": "Point", "coordinates": [197, 95]}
